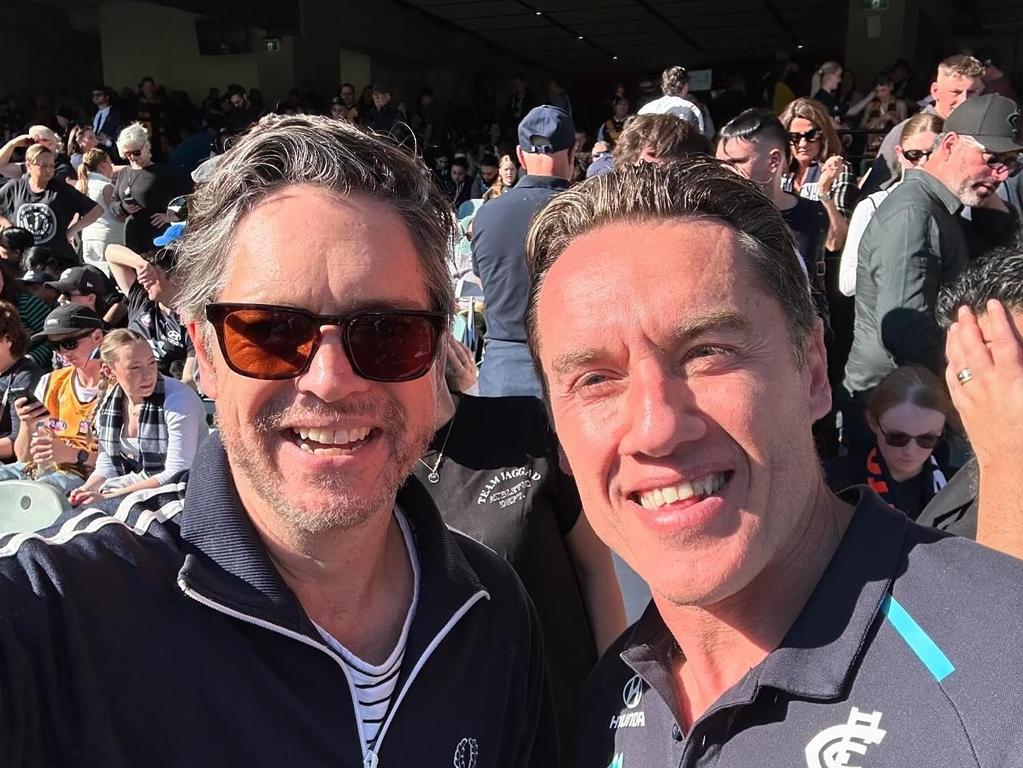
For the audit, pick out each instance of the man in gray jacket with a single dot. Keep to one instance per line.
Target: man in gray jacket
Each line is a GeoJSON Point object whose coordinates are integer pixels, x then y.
{"type": "Point", "coordinates": [915, 244]}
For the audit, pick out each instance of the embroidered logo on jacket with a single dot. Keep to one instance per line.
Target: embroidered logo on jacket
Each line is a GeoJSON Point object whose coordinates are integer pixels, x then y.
{"type": "Point", "coordinates": [508, 486]}
{"type": "Point", "coordinates": [466, 753]}
{"type": "Point", "coordinates": [835, 746]}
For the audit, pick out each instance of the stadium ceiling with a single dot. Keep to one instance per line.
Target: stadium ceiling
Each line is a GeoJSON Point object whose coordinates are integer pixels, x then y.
{"type": "Point", "coordinates": [576, 35]}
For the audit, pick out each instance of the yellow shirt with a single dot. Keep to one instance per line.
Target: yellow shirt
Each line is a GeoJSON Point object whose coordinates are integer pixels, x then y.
{"type": "Point", "coordinates": [71, 419]}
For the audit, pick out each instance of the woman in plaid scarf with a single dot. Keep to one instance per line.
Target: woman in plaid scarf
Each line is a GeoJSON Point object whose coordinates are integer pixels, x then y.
{"type": "Point", "coordinates": [149, 426]}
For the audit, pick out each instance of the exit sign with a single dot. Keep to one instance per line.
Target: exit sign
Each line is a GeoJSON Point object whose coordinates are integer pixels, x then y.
{"type": "Point", "coordinates": [875, 5]}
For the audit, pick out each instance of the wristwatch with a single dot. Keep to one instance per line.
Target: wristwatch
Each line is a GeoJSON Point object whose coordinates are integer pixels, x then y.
{"type": "Point", "coordinates": [83, 457]}
{"type": "Point", "coordinates": [824, 196]}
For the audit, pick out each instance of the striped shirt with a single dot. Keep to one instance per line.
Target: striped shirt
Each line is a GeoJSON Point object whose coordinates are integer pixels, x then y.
{"type": "Point", "coordinates": [33, 312]}
{"type": "Point", "coordinates": [375, 683]}
{"type": "Point", "coordinates": [843, 191]}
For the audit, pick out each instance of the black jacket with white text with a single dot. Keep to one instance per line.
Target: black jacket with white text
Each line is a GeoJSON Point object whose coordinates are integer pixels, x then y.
{"type": "Point", "coordinates": [164, 636]}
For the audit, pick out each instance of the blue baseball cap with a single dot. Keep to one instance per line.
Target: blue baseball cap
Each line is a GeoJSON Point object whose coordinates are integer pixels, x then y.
{"type": "Point", "coordinates": [545, 130]}
{"type": "Point", "coordinates": [169, 235]}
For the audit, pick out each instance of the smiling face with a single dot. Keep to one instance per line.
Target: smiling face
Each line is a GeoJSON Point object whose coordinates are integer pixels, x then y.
{"type": "Point", "coordinates": [327, 449]}
{"type": "Point", "coordinates": [681, 409]}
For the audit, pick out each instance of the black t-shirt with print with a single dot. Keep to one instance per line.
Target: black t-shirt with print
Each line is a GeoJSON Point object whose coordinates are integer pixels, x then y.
{"type": "Point", "coordinates": [45, 214]}
{"type": "Point", "coordinates": [165, 333]}
{"type": "Point", "coordinates": [500, 483]}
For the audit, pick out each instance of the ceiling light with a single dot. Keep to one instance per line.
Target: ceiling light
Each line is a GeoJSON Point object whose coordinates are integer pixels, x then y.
{"type": "Point", "coordinates": [615, 58]}
{"type": "Point", "coordinates": [580, 37]}
{"type": "Point", "coordinates": [539, 13]}
{"type": "Point", "coordinates": [800, 46]}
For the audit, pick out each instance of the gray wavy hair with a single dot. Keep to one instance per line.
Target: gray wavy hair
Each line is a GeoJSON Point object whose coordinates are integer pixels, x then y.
{"type": "Point", "coordinates": [134, 136]}
{"type": "Point", "coordinates": [283, 151]}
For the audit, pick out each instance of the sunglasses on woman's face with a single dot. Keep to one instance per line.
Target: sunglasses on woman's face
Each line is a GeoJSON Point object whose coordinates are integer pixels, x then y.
{"type": "Point", "coordinates": [69, 345]}
{"type": "Point", "coordinates": [263, 341]}
{"type": "Point", "coordinates": [809, 136]}
{"type": "Point", "coordinates": [916, 155]}
{"type": "Point", "coordinates": [901, 439]}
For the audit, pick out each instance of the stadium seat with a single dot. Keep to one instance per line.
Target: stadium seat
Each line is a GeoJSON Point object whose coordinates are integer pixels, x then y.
{"type": "Point", "coordinates": [28, 506]}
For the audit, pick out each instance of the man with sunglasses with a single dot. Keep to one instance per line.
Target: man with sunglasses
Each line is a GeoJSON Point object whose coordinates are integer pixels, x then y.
{"type": "Point", "coordinates": [283, 602]}
{"type": "Point", "coordinates": [916, 243]}
{"type": "Point", "coordinates": [55, 442]}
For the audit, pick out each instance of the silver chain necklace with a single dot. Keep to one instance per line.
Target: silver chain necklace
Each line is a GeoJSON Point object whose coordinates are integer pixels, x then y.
{"type": "Point", "coordinates": [434, 476]}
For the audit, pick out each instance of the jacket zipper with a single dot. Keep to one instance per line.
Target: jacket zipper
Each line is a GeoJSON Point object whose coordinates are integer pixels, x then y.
{"type": "Point", "coordinates": [369, 756]}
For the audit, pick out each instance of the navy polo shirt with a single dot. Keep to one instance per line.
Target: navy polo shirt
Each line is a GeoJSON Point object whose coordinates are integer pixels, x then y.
{"type": "Point", "coordinates": [499, 253]}
{"type": "Point", "coordinates": [907, 655]}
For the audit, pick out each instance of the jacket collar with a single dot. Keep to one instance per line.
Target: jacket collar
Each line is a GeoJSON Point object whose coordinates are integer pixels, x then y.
{"type": "Point", "coordinates": [227, 562]}
{"type": "Point", "coordinates": [937, 188]}
{"type": "Point", "coordinates": [823, 647]}
{"type": "Point", "coordinates": [541, 182]}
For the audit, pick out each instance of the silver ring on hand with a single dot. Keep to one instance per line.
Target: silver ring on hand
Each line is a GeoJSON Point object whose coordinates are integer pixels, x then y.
{"type": "Point", "coordinates": [964, 376]}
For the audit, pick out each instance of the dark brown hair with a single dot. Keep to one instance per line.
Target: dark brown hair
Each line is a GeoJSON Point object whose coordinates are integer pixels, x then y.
{"type": "Point", "coordinates": [12, 329]}
{"type": "Point", "coordinates": [665, 137]}
{"type": "Point", "coordinates": [815, 112]}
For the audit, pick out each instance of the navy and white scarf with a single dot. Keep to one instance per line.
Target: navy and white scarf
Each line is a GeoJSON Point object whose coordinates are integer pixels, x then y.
{"type": "Point", "coordinates": [152, 431]}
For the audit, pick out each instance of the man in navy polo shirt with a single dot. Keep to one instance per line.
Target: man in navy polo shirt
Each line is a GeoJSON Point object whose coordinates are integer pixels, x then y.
{"type": "Point", "coordinates": [546, 141]}
{"type": "Point", "coordinates": [684, 368]}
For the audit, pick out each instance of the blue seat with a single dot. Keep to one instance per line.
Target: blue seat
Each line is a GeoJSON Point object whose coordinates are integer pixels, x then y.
{"type": "Point", "coordinates": [28, 506]}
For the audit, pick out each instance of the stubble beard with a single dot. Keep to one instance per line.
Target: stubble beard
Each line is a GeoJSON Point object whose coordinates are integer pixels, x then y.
{"type": "Point", "coordinates": [339, 509]}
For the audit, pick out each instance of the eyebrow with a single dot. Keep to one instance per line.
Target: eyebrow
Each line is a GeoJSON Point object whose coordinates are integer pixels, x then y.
{"type": "Point", "coordinates": [726, 320]}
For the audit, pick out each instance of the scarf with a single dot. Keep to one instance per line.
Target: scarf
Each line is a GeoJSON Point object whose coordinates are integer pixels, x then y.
{"type": "Point", "coordinates": [152, 431]}
{"type": "Point", "coordinates": [878, 478]}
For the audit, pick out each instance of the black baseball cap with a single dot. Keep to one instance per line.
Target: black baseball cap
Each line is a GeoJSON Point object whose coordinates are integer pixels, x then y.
{"type": "Point", "coordinates": [991, 120]}
{"type": "Point", "coordinates": [545, 130]}
{"type": "Point", "coordinates": [35, 277]}
{"type": "Point", "coordinates": [68, 319]}
{"type": "Point", "coordinates": [380, 88]}
{"type": "Point", "coordinates": [79, 280]}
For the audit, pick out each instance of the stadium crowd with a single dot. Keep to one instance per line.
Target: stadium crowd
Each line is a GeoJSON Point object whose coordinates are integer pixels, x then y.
{"type": "Point", "coordinates": [345, 374]}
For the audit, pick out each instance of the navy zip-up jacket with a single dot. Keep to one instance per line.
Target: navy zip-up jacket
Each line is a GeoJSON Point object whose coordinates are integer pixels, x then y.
{"type": "Point", "coordinates": [164, 636]}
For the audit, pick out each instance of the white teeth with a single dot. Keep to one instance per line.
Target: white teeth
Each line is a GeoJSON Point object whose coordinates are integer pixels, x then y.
{"type": "Point", "coordinates": [704, 486]}
{"type": "Point", "coordinates": [330, 436]}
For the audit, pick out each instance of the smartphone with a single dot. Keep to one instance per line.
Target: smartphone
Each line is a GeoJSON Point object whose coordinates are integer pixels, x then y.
{"type": "Point", "coordinates": [16, 393]}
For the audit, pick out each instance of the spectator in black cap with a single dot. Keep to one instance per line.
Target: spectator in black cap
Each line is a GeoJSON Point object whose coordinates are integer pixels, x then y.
{"type": "Point", "coordinates": [546, 142]}
{"type": "Point", "coordinates": [55, 443]}
{"type": "Point", "coordinates": [16, 372]}
{"type": "Point", "coordinates": [149, 285]}
{"type": "Point", "coordinates": [915, 244]}
{"type": "Point", "coordinates": [14, 241]}
{"type": "Point", "coordinates": [88, 286]}
{"type": "Point", "coordinates": [34, 281]}
{"type": "Point", "coordinates": [384, 116]}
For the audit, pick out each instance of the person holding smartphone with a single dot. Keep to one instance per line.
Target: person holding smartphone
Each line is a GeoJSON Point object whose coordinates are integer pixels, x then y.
{"type": "Point", "coordinates": [18, 374]}
{"type": "Point", "coordinates": [55, 442]}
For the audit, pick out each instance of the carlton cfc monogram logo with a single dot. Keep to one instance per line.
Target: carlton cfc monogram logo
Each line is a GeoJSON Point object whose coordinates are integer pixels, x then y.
{"type": "Point", "coordinates": [466, 754]}
{"type": "Point", "coordinates": [834, 747]}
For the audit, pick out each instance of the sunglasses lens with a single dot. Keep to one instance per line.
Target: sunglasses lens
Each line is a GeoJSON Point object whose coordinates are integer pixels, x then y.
{"type": "Point", "coordinates": [896, 439]}
{"type": "Point", "coordinates": [393, 347]}
{"type": "Point", "coordinates": [267, 344]}
{"type": "Point", "coordinates": [927, 441]}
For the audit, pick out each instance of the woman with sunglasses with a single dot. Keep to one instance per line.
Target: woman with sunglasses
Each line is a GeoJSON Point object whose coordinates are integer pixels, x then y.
{"type": "Point", "coordinates": [149, 426]}
{"type": "Point", "coordinates": [819, 172]}
{"type": "Point", "coordinates": [908, 413]}
{"type": "Point", "coordinates": [912, 151]}
{"type": "Point", "coordinates": [143, 189]}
